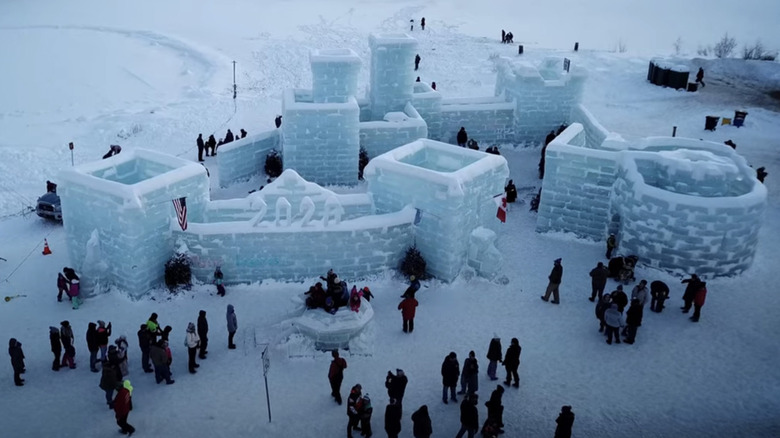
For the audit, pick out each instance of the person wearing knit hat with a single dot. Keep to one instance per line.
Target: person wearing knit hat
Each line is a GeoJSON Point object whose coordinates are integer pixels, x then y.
{"type": "Point", "coordinates": [122, 405]}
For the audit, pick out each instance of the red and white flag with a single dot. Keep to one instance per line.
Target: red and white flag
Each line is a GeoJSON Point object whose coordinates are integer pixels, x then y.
{"type": "Point", "coordinates": [500, 200]}
{"type": "Point", "coordinates": [180, 205]}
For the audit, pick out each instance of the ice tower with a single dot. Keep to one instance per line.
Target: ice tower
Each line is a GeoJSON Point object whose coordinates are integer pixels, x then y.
{"type": "Point", "coordinates": [392, 73]}
{"type": "Point", "coordinates": [117, 212]}
{"type": "Point", "coordinates": [320, 133]}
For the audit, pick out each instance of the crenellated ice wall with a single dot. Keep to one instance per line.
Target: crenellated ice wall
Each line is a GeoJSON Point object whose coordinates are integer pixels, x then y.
{"type": "Point", "coordinates": [397, 128]}
{"type": "Point", "coordinates": [544, 95]}
{"type": "Point", "coordinates": [127, 199]}
{"type": "Point", "coordinates": [334, 75]}
{"type": "Point", "coordinates": [244, 158]}
{"type": "Point", "coordinates": [451, 187]}
{"type": "Point", "coordinates": [427, 102]}
{"type": "Point", "coordinates": [488, 120]}
{"type": "Point", "coordinates": [392, 73]}
{"type": "Point", "coordinates": [321, 141]}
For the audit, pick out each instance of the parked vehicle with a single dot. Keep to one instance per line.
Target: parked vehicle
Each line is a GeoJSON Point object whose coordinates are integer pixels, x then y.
{"type": "Point", "coordinates": [49, 205]}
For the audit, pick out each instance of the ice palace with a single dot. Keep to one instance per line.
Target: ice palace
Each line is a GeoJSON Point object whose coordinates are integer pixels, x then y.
{"type": "Point", "coordinates": [679, 204]}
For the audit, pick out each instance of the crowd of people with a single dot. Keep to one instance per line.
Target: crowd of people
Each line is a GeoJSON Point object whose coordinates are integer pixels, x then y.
{"type": "Point", "coordinates": [211, 145]}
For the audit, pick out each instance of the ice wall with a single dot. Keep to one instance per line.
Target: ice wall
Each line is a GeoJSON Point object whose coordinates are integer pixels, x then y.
{"type": "Point", "coordinates": [396, 129]}
{"type": "Point", "coordinates": [321, 141]}
{"type": "Point", "coordinates": [244, 158]}
{"type": "Point", "coordinates": [335, 75]}
{"type": "Point", "coordinates": [488, 120]}
{"type": "Point", "coordinates": [452, 187]}
{"type": "Point", "coordinates": [250, 251]}
{"type": "Point", "coordinates": [392, 73]}
{"type": "Point", "coordinates": [689, 211]}
{"type": "Point", "coordinates": [544, 95]}
{"type": "Point", "coordinates": [127, 199]}
{"type": "Point", "coordinates": [427, 102]}
{"type": "Point", "coordinates": [576, 187]}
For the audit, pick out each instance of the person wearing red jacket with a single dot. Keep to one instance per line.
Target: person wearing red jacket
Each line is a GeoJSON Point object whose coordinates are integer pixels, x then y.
{"type": "Point", "coordinates": [698, 301]}
{"type": "Point", "coordinates": [123, 404]}
{"type": "Point", "coordinates": [336, 375]}
{"type": "Point", "coordinates": [408, 307]}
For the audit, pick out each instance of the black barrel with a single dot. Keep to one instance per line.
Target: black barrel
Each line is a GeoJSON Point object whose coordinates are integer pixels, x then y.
{"type": "Point", "coordinates": [711, 123]}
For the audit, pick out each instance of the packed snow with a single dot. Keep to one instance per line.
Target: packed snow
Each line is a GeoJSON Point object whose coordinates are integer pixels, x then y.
{"type": "Point", "coordinates": [151, 75]}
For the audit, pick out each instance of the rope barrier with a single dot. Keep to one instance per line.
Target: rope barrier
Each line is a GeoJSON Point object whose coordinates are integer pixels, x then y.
{"type": "Point", "coordinates": [26, 257]}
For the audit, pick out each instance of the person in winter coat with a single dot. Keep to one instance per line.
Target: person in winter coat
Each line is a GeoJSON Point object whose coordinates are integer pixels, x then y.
{"type": "Point", "coordinates": [17, 360]}
{"type": "Point", "coordinates": [74, 293]}
{"type": "Point", "coordinates": [354, 401]}
{"type": "Point", "coordinates": [232, 326]}
{"type": "Point", "coordinates": [639, 292]}
{"type": "Point", "coordinates": [690, 291]}
{"type": "Point", "coordinates": [598, 280]}
{"type": "Point", "coordinates": [422, 23]}
{"type": "Point", "coordinates": [203, 334]}
{"type": "Point", "coordinates": [495, 410]}
{"type": "Point", "coordinates": [366, 410]}
{"type": "Point", "coordinates": [700, 77]}
{"type": "Point", "coordinates": [228, 136]}
{"type": "Point", "coordinates": [511, 192]}
{"type": "Point", "coordinates": [421, 421]}
{"type": "Point", "coordinates": [336, 375]}
{"type": "Point", "coordinates": [550, 137]}
{"type": "Point", "coordinates": [66, 336]}
{"type": "Point", "coordinates": [192, 342]}
{"type": "Point", "coordinates": [62, 286]}
{"type": "Point", "coordinates": [620, 298]}
{"type": "Point", "coordinates": [396, 385]}
{"type": "Point", "coordinates": [144, 343]}
{"type": "Point", "coordinates": [211, 144]}
{"type": "Point", "coordinates": [366, 293]}
{"type": "Point", "coordinates": [698, 301]}
{"type": "Point", "coordinates": [611, 245]}
{"type": "Point", "coordinates": [153, 327]}
{"type": "Point", "coordinates": [56, 347]}
{"type": "Point", "coordinates": [612, 320]}
{"type": "Point", "coordinates": [450, 370]}
{"type": "Point", "coordinates": [462, 137]}
{"type": "Point", "coordinates": [601, 307]}
{"type": "Point", "coordinates": [92, 346]}
{"type": "Point", "coordinates": [243, 133]}
{"type": "Point", "coordinates": [218, 280]}
{"type": "Point", "coordinates": [110, 378]}
{"type": "Point", "coordinates": [278, 121]}
{"type": "Point", "coordinates": [103, 333]}
{"type": "Point", "coordinates": [565, 422]}
{"type": "Point", "coordinates": [393, 418]}
{"type": "Point", "coordinates": [414, 286]}
{"type": "Point", "coordinates": [354, 299]}
{"type": "Point", "coordinates": [166, 333]}
{"type": "Point", "coordinates": [417, 60]}
{"type": "Point", "coordinates": [503, 36]}
{"type": "Point", "coordinates": [659, 292]}
{"type": "Point", "coordinates": [633, 320]}
{"type": "Point", "coordinates": [201, 146]}
{"type": "Point", "coordinates": [121, 353]}
{"type": "Point", "coordinates": [316, 296]}
{"type": "Point", "coordinates": [512, 362]}
{"type": "Point", "coordinates": [123, 404]}
{"type": "Point", "coordinates": [555, 281]}
{"type": "Point", "coordinates": [469, 377]}
{"type": "Point", "coordinates": [469, 417]}
{"type": "Point", "coordinates": [162, 370]}
{"type": "Point", "coordinates": [494, 357]}
{"type": "Point", "coordinates": [408, 309]}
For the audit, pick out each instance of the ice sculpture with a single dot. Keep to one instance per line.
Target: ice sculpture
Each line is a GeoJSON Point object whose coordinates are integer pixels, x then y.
{"type": "Point", "coordinates": [681, 205]}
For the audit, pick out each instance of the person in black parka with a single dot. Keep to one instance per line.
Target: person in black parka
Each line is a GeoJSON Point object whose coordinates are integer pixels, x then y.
{"type": "Point", "coordinates": [694, 283]}
{"type": "Point", "coordinates": [450, 371]}
{"type": "Point", "coordinates": [203, 333]}
{"type": "Point", "coordinates": [17, 360]}
{"type": "Point", "coordinates": [211, 144]}
{"type": "Point", "coordinates": [633, 320]}
{"type": "Point", "coordinates": [393, 419]}
{"type": "Point", "coordinates": [555, 277]}
{"type": "Point", "coordinates": [598, 276]}
{"type": "Point", "coordinates": [422, 423]}
{"type": "Point", "coordinates": [495, 408]}
{"type": "Point", "coordinates": [93, 346]}
{"type": "Point", "coordinates": [201, 146]}
{"type": "Point", "coordinates": [228, 137]}
{"type": "Point", "coordinates": [494, 356]}
{"type": "Point", "coordinates": [659, 292]}
{"type": "Point", "coordinates": [56, 347]}
{"type": "Point", "coordinates": [511, 192]}
{"type": "Point", "coordinates": [512, 362]}
{"type": "Point", "coordinates": [144, 343]}
{"type": "Point", "coordinates": [620, 298]}
{"type": "Point", "coordinates": [396, 386]}
{"type": "Point", "coordinates": [462, 138]}
{"type": "Point", "coordinates": [565, 422]}
{"type": "Point", "coordinates": [469, 416]}
{"type": "Point", "coordinates": [417, 60]}
{"type": "Point", "coordinates": [601, 307]}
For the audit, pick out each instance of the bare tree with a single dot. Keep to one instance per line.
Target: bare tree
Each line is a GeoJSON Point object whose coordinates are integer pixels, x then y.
{"type": "Point", "coordinates": [725, 46]}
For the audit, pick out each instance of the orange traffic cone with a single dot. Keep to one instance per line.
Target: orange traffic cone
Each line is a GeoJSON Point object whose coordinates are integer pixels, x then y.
{"type": "Point", "coordinates": [46, 249]}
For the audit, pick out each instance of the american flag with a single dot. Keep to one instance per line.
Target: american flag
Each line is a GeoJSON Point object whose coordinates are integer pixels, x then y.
{"type": "Point", "coordinates": [180, 205]}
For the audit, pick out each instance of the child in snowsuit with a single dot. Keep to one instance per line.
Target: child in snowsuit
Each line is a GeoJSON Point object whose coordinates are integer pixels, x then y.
{"type": "Point", "coordinates": [73, 293]}
{"type": "Point", "coordinates": [354, 299]}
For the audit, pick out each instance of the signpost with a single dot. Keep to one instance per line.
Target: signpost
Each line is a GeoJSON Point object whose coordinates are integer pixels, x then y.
{"type": "Point", "coordinates": [266, 365]}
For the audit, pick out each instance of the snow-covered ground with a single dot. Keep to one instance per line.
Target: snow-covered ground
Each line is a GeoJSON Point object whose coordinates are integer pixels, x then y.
{"type": "Point", "coordinates": [155, 74]}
